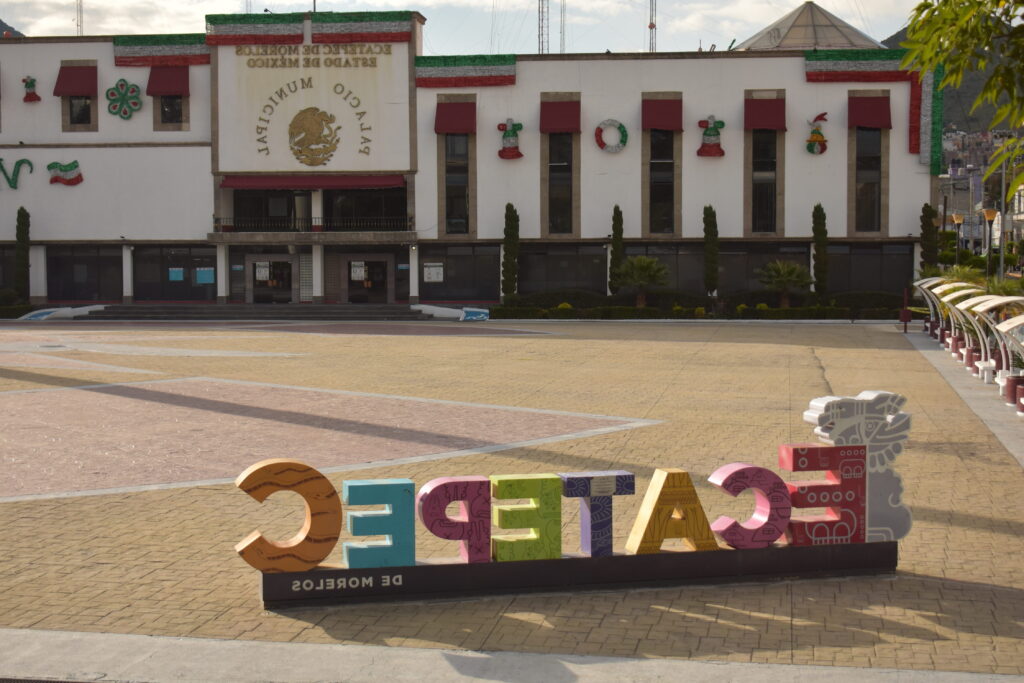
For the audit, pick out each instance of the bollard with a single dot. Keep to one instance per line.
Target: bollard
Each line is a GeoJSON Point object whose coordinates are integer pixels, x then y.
{"type": "Point", "coordinates": [1012, 383]}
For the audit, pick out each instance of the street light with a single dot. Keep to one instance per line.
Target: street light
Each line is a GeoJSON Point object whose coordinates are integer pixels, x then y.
{"type": "Point", "coordinates": [958, 221]}
{"type": "Point", "coordinates": [990, 216]}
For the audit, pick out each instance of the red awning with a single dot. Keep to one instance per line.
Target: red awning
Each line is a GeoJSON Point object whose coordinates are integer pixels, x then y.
{"type": "Point", "coordinates": [455, 117]}
{"type": "Point", "coordinates": [869, 112]}
{"type": "Point", "coordinates": [764, 114]}
{"type": "Point", "coordinates": [76, 81]}
{"type": "Point", "coordinates": [168, 80]}
{"type": "Point", "coordinates": [662, 115]}
{"type": "Point", "coordinates": [560, 117]}
{"type": "Point", "coordinates": [312, 182]}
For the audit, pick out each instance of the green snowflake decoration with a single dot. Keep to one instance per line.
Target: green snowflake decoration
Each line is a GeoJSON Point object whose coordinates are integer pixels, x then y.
{"type": "Point", "coordinates": [123, 99]}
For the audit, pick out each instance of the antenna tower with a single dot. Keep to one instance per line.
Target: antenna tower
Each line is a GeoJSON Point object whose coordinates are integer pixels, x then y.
{"type": "Point", "coordinates": [78, 18]}
{"type": "Point", "coordinates": [561, 28]}
{"type": "Point", "coordinates": [248, 6]}
{"type": "Point", "coordinates": [542, 27]}
{"type": "Point", "coordinates": [652, 27]}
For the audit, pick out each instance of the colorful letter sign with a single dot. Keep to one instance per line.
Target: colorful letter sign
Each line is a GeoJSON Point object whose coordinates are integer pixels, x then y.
{"type": "Point", "coordinates": [542, 517]}
{"type": "Point", "coordinates": [771, 515]}
{"type": "Point", "coordinates": [318, 535]}
{"type": "Point", "coordinates": [472, 528]}
{"type": "Point", "coordinates": [671, 509]}
{"type": "Point", "coordinates": [595, 491]}
{"type": "Point", "coordinates": [841, 493]}
{"type": "Point", "coordinates": [874, 419]}
{"type": "Point", "coordinates": [860, 495]}
{"type": "Point", "coordinates": [395, 521]}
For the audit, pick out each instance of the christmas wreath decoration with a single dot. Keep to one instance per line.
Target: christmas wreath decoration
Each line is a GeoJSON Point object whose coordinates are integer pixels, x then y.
{"type": "Point", "coordinates": [124, 99]}
{"type": "Point", "coordinates": [599, 135]}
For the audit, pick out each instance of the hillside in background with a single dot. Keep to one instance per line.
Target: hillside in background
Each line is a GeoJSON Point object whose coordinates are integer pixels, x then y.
{"type": "Point", "coordinates": [5, 27]}
{"type": "Point", "coordinates": [957, 102]}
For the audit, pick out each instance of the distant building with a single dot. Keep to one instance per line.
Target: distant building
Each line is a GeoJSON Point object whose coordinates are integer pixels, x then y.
{"type": "Point", "coordinates": [319, 157]}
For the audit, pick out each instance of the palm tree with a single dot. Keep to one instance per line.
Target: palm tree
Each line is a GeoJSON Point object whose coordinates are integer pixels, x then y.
{"type": "Point", "coordinates": [784, 277]}
{"type": "Point", "coordinates": [643, 273]}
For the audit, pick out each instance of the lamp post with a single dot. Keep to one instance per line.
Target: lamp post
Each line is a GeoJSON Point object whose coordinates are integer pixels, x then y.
{"type": "Point", "coordinates": [958, 221]}
{"type": "Point", "coordinates": [990, 216]}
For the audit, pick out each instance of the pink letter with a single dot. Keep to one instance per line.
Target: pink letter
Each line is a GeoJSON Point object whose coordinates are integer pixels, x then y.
{"type": "Point", "coordinates": [842, 493]}
{"type": "Point", "coordinates": [771, 514]}
{"type": "Point", "coordinates": [472, 528]}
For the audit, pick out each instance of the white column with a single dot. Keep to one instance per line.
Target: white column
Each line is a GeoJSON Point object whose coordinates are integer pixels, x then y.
{"type": "Point", "coordinates": [317, 209]}
{"type": "Point", "coordinates": [37, 274]}
{"type": "Point", "coordinates": [127, 274]}
{"type": "Point", "coordinates": [414, 274]}
{"type": "Point", "coordinates": [223, 274]}
{"type": "Point", "coordinates": [318, 273]}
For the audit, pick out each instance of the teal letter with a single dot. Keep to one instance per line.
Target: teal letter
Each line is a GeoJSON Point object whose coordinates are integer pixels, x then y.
{"type": "Point", "coordinates": [395, 521]}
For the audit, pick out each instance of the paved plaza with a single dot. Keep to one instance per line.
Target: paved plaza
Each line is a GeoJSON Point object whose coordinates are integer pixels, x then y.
{"type": "Point", "coordinates": [118, 515]}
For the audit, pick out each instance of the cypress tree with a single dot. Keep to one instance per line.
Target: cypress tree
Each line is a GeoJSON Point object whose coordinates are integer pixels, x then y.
{"type": "Point", "coordinates": [820, 252]}
{"type": "Point", "coordinates": [21, 265]}
{"type": "Point", "coordinates": [929, 236]}
{"type": "Point", "coordinates": [710, 250]}
{"type": "Point", "coordinates": [617, 255]}
{"type": "Point", "coordinates": [510, 253]}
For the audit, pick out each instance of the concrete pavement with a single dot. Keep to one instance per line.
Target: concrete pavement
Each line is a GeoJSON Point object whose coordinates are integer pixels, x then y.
{"type": "Point", "coordinates": [158, 561]}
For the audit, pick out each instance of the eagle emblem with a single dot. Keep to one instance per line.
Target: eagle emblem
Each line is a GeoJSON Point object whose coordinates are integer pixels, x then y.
{"type": "Point", "coordinates": [312, 137]}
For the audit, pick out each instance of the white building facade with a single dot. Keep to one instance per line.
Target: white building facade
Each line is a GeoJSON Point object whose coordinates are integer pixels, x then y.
{"type": "Point", "coordinates": [319, 158]}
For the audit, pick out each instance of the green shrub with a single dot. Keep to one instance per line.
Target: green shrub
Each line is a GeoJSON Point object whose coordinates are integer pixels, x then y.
{"type": "Point", "coordinates": [741, 310]}
{"type": "Point", "coordinates": [517, 312]}
{"type": "Point", "coordinates": [879, 314]}
{"type": "Point", "coordinates": [560, 313]}
{"type": "Point", "coordinates": [858, 301]}
{"type": "Point", "coordinates": [15, 311]}
{"type": "Point", "coordinates": [761, 306]}
{"type": "Point", "coordinates": [699, 312]}
{"type": "Point", "coordinates": [577, 298]}
{"type": "Point", "coordinates": [564, 305]}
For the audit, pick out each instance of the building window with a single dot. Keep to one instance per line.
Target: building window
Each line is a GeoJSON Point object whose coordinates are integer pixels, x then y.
{"type": "Point", "coordinates": [170, 108]}
{"type": "Point", "coordinates": [76, 88]}
{"type": "Point", "coordinates": [80, 110]}
{"type": "Point", "coordinates": [456, 183]}
{"type": "Point", "coordinates": [560, 183]}
{"type": "Point", "coordinates": [662, 182]}
{"type": "Point", "coordinates": [868, 202]}
{"type": "Point", "coordinates": [763, 177]}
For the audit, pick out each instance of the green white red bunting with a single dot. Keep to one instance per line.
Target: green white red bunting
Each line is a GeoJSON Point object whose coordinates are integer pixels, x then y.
{"type": "Point", "coordinates": [362, 27]}
{"type": "Point", "coordinates": [64, 174]}
{"type": "Point", "coordinates": [883, 66]}
{"type": "Point", "coordinates": [254, 29]}
{"type": "Point", "coordinates": [161, 50]}
{"type": "Point", "coordinates": [465, 70]}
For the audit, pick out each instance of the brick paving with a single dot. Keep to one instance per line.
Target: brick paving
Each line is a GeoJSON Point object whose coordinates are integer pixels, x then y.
{"type": "Point", "coordinates": [160, 562]}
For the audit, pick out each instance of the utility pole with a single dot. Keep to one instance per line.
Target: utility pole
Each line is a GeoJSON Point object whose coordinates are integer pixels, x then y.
{"type": "Point", "coordinates": [542, 27]}
{"type": "Point", "coordinates": [652, 27]}
{"type": "Point", "coordinates": [78, 17]}
{"type": "Point", "coordinates": [561, 28]}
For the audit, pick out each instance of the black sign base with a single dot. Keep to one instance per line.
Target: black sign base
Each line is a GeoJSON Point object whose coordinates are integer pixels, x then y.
{"type": "Point", "coordinates": [424, 581]}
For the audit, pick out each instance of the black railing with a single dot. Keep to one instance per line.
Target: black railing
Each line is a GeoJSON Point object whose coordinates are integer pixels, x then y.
{"type": "Point", "coordinates": [368, 224]}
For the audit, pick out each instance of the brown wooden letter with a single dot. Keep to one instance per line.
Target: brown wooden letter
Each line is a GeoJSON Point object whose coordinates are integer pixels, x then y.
{"type": "Point", "coordinates": [318, 535]}
{"type": "Point", "coordinates": [671, 509]}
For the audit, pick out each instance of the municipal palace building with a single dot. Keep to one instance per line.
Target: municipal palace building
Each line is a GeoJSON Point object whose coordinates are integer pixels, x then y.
{"type": "Point", "coordinates": [320, 157]}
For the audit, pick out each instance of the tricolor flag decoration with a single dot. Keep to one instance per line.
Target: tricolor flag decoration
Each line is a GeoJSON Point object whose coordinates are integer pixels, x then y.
{"type": "Point", "coordinates": [65, 174]}
{"type": "Point", "coordinates": [465, 70]}
{"type": "Point", "coordinates": [362, 27]}
{"type": "Point", "coordinates": [254, 29]}
{"type": "Point", "coordinates": [182, 49]}
{"type": "Point", "coordinates": [883, 66]}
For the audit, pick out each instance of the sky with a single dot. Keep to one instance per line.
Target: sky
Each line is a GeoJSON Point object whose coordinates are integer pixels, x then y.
{"type": "Point", "coordinates": [457, 27]}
